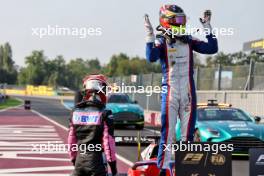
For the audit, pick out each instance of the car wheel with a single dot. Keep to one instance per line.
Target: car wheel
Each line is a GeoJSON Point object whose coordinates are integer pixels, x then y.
{"type": "Point", "coordinates": [197, 136]}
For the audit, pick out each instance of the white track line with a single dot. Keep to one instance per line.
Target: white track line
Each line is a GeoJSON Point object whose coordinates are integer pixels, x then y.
{"type": "Point", "coordinates": [124, 160]}
{"type": "Point", "coordinates": [36, 169]}
{"type": "Point", "coordinates": [121, 158]}
{"type": "Point", "coordinates": [63, 104]}
{"type": "Point", "coordinates": [48, 119]}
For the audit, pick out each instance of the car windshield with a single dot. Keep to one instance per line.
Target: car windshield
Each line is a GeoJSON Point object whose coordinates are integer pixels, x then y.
{"type": "Point", "coordinates": [118, 99]}
{"type": "Point", "coordinates": [233, 114]}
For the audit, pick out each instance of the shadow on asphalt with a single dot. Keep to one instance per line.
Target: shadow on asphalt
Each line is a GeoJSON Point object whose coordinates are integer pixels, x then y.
{"type": "Point", "coordinates": [243, 158]}
{"type": "Point", "coordinates": [129, 127]}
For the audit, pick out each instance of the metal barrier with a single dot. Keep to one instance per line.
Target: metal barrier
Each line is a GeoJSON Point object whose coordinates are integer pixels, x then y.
{"type": "Point", "coordinates": [231, 84]}
{"type": "Point", "coordinates": [250, 101]}
{"type": "Point", "coordinates": [238, 77]}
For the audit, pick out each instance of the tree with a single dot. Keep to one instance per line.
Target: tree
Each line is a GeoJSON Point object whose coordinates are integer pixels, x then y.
{"type": "Point", "coordinates": [1, 56]}
{"type": "Point", "coordinates": [22, 76]}
{"type": "Point", "coordinates": [35, 71]}
{"type": "Point", "coordinates": [93, 66]}
{"type": "Point", "coordinates": [197, 60]}
{"type": "Point", "coordinates": [122, 65]}
{"type": "Point", "coordinates": [115, 62]}
{"type": "Point", "coordinates": [8, 62]}
{"type": "Point", "coordinates": [56, 72]}
{"type": "Point", "coordinates": [219, 58]}
{"type": "Point", "coordinates": [77, 70]}
{"type": "Point", "coordinates": [7, 68]}
{"type": "Point", "coordinates": [237, 58]}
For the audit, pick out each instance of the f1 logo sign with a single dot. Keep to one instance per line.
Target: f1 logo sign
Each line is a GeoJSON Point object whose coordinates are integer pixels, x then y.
{"type": "Point", "coordinates": [260, 160]}
{"type": "Point", "coordinates": [195, 175]}
{"type": "Point", "coordinates": [261, 157]}
{"type": "Point", "coordinates": [256, 158]}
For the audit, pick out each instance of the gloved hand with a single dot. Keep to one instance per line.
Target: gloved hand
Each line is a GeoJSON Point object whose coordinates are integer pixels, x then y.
{"type": "Point", "coordinates": [206, 20]}
{"type": "Point", "coordinates": [113, 167]}
{"type": "Point", "coordinates": [149, 29]}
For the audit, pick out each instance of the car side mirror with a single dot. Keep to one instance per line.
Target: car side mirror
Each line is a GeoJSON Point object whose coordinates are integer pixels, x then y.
{"type": "Point", "coordinates": [257, 119]}
{"type": "Point", "coordinates": [135, 102]}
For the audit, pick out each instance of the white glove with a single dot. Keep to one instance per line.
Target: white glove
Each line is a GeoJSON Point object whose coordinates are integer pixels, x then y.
{"type": "Point", "coordinates": [149, 30]}
{"type": "Point", "coordinates": [206, 21]}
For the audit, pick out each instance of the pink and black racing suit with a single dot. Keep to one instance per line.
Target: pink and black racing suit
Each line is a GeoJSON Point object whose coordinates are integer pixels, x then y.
{"type": "Point", "coordinates": [91, 133]}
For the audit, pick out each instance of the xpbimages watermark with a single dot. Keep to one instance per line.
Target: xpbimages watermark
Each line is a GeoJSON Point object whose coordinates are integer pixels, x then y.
{"type": "Point", "coordinates": [127, 89]}
{"type": "Point", "coordinates": [188, 30]}
{"type": "Point", "coordinates": [57, 31]}
{"type": "Point", "coordinates": [215, 148]}
{"type": "Point", "coordinates": [60, 147]}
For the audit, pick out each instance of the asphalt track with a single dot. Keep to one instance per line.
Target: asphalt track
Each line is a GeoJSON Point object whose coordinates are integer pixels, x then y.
{"type": "Point", "coordinates": [21, 130]}
{"type": "Point", "coordinates": [57, 112]}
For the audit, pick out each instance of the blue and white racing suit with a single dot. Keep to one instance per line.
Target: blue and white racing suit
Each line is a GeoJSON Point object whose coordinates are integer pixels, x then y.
{"type": "Point", "coordinates": [179, 99]}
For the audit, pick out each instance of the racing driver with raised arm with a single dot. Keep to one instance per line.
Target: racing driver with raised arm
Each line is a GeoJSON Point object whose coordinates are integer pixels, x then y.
{"type": "Point", "coordinates": [174, 50]}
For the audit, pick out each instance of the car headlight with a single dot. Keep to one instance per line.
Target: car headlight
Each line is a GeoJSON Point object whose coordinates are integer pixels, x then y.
{"type": "Point", "coordinates": [213, 132]}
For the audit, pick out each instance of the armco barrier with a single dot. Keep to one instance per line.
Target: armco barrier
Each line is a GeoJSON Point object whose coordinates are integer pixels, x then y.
{"type": "Point", "coordinates": [26, 92]}
{"type": "Point", "coordinates": [15, 92]}
{"type": "Point", "coordinates": [32, 90]}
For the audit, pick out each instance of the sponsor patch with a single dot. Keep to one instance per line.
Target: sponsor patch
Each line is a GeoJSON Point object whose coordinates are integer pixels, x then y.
{"type": "Point", "coordinates": [86, 118]}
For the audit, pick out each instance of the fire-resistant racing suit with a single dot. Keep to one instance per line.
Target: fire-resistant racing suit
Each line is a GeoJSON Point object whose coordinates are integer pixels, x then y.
{"type": "Point", "coordinates": [91, 128]}
{"type": "Point", "coordinates": [178, 88]}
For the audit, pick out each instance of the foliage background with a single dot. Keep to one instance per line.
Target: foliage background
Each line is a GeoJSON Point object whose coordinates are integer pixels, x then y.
{"type": "Point", "coordinates": [56, 72]}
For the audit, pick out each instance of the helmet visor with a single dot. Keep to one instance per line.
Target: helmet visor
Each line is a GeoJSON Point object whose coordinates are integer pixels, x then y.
{"type": "Point", "coordinates": [94, 85]}
{"type": "Point", "coordinates": [177, 20]}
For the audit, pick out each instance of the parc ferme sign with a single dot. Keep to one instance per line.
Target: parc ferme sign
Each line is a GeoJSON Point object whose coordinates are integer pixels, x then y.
{"type": "Point", "coordinates": [256, 159]}
{"type": "Point", "coordinates": [203, 163]}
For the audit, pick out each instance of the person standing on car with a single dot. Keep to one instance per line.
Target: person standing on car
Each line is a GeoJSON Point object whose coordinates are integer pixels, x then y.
{"type": "Point", "coordinates": [91, 125]}
{"type": "Point", "coordinates": [174, 49]}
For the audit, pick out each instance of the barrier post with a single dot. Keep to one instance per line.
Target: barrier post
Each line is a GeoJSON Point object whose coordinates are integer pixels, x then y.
{"type": "Point", "coordinates": [139, 144]}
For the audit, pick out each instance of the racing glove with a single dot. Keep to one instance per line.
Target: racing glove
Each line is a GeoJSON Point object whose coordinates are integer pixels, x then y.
{"type": "Point", "coordinates": [113, 167]}
{"type": "Point", "coordinates": [149, 30]}
{"type": "Point", "coordinates": [206, 21]}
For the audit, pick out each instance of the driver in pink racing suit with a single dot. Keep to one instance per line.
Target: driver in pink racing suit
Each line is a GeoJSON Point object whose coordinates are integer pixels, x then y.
{"type": "Point", "coordinates": [91, 128]}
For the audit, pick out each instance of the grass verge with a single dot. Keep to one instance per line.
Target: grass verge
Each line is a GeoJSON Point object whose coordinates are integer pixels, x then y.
{"type": "Point", "coordinates": [10, 102]}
